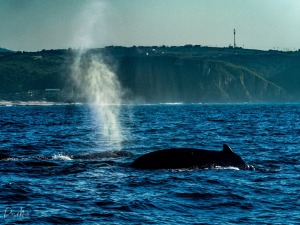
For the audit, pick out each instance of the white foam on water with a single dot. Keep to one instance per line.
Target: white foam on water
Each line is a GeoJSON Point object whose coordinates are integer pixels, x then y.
{"type": "Point", "coordinates": [226, 168]}
{"type": "Point", "coordinates": [61, 157]}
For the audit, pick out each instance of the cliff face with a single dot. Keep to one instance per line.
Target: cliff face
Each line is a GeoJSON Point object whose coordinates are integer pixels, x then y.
{"type": "Point", "coordinates": [171, 79]}
{"type": "Point", "coordinates": [280, 68]}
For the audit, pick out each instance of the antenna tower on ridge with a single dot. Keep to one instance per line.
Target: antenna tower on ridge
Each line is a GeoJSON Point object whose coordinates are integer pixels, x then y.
{"type": "Point", "coordinates": [234, 45]}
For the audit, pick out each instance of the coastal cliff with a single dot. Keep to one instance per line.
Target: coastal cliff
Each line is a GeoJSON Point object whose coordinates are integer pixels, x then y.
{"type": "Point", "coordinates": [171, 79]}
{"type": "Point", "coordinates": [160, 74]}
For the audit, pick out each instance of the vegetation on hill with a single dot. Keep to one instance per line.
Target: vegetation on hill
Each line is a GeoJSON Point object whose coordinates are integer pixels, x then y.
{"type": "Point", "coordinates": [159, 74]}
{"type": "Point", "coordinates": [4, 50]}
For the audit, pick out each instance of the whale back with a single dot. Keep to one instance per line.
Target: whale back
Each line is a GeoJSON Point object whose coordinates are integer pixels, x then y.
{"type": "Point", "coordinates": [232, 158]}
{"type": "Point", "coordinates": [176, 158]}
{"type": "Point", "coordinates": [3, 156]}
{"type": "Point", "coordinates": [227, 149]}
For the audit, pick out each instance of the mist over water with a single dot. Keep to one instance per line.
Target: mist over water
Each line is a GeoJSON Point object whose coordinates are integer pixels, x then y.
{"type": "Point", "coordinates": [93, 80]}
{"type": "Point", "coordinates": [97, 84]}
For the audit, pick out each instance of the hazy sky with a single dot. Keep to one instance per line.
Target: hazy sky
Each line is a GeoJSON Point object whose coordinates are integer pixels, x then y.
{"type": "Point", "coordinates": [30, 25]}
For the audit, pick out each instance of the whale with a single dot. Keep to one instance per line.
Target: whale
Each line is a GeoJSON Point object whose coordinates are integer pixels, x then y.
{"type": "Point", "coordinates": [185, 158]}
{"type": "Point", "coordinates": [4, 156]}
{"type": "Point", "coordinates": [50, 161]}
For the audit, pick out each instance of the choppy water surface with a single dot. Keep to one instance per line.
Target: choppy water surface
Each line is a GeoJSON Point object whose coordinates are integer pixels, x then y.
{"type": "Point", "coordinates": [61, 171]}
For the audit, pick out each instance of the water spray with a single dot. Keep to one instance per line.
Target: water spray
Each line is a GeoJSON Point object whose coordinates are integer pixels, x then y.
{"type": "Point", "coordinates": [94, 81]}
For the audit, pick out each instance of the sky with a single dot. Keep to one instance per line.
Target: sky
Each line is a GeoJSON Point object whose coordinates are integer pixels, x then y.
{"type": "Point", "coordinates": [33, 25]}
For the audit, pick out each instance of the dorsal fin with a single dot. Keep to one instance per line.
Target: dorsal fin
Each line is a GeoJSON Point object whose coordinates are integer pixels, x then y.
{"type": "Point", "coordinates": [226, 149]}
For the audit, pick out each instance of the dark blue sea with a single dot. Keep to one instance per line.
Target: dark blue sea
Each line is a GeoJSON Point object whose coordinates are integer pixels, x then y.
{"type": "Point", "coordinates": [60, 170]}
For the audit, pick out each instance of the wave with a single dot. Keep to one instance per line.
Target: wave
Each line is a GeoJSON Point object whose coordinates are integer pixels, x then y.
{"type": "Point", "coordinates": [226, 168]}
{"type": "Point", "coordinates": [35, 103]}
{"type": "Point", "coordinates": [61, 157]}
{"type": "Point", "coordinates": [65, 157]}
{"type": "Point", "coordinates": [172, 103]}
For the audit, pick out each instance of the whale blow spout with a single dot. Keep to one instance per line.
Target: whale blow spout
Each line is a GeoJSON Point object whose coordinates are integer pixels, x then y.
{"type": "Point", "coordinates": [179, 158]}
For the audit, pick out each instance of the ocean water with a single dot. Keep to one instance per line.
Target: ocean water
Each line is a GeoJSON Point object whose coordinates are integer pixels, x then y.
{"type": "Point", "coordinates": [61, 171]}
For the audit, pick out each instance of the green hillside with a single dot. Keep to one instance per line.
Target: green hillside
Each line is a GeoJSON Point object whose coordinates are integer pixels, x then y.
{"type": "Point", "coordinates": [160, 74]}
